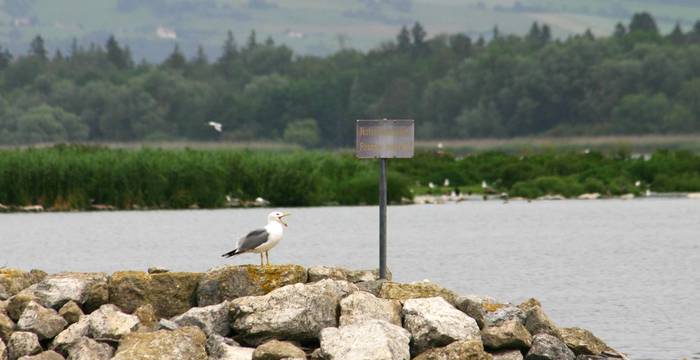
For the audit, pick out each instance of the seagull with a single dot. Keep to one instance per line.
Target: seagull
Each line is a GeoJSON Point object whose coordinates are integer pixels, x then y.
{"type": "Point", "coordinates": [217, 126]}
{"type": "Point", "coordinates": [446, 183]}
{"type": "Point", "coordinates": [262, 240]}
{"type": "Point", "coordinates": [638, 183]}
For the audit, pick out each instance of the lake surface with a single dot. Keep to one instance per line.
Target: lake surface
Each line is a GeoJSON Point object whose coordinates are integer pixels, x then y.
{"type": "Point", "coordinates": [627, 270]}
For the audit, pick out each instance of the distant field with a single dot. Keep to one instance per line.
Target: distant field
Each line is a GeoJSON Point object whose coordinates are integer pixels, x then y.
{"type": "Point", "coordinates": [308, 26]}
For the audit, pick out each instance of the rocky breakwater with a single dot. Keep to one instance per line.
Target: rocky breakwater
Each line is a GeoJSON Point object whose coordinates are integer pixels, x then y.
{"type": "Point", "coordinates": [274, 312]}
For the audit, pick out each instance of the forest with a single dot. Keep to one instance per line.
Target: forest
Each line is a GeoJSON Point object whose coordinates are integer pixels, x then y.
{"type": "Point", "coordinates": [636, 81]}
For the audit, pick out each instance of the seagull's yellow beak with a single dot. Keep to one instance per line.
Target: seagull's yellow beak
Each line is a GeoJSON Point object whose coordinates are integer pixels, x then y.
{"type": "Point", "coordinates": [282, 218]}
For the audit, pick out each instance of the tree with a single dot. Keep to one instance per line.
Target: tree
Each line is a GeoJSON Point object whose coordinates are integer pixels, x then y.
{"type": "Point", "coordinates": [403, 40]}
{"type": "Point", "coordinates": [643, 22]}
{"type": "Point", "coordinates": [620, 31]}
{"type": "Point", "coordinates": [5, 58]}
{"type": "Point", "coordinates": [677, 36]}
{"type": "Point", "coordinates": [252, 42]}
{"type": "Point", "coordinates": [37, 48]}
{"type": "Point", "coordinates": [176, 60]}
{"type": "Point", "coordinates": [418, 33]}
{"type": "Point", "coordinates": [115, 54]}
{"type": "Point", "coordinates": [304, 132]}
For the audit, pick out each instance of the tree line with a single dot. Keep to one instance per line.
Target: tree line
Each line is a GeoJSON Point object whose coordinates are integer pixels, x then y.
{"type": "Point", "coordinates": [635, 81]}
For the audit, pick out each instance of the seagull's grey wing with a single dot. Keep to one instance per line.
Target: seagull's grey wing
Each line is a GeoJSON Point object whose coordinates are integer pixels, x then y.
{"type": "Point", "coordinates": [254, 239]}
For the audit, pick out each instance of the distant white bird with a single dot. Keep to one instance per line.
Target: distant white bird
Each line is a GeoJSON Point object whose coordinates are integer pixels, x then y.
{"type": "Point", "coordinates": [440, 146]}
{"type": "Point", "coordinates": [431, 185]}
{"type": "Point", "coordinates": [217, 126]}
{"type": "Point", "coordinates": [484, 185]}
{"type": "Point", "coordinates": [587, 151]}
{"type": "Point", "coordinates": [262, 240]}
{"type": "Point", "coordinates": [446, 183]}
{"type": "Point", "coordinates": [638, 183]}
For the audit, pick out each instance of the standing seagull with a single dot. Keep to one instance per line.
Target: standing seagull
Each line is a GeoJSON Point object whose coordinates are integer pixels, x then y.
{"type": "Point", "coordinates": [262, 240]}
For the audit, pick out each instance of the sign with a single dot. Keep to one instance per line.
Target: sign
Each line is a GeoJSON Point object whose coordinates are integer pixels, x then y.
{"type": "Point", "coordinates": [384, 139]}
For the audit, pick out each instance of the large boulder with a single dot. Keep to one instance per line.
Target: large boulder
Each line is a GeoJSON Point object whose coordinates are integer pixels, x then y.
{"type": "Point", "coordinates": [293, 312]}
{"type": "Point", "coordinates": [221, 348]}
{"type": "Point", "coordinates": [184, 343]}
{"type": "Point", "coordinates": [23, 343]}
{"type": "Point", "coordinates": [582, 342]}
{"type": "Point", "coordinates": [3, 350]}
{"type": "Point", "coordinates": [231, 282]}
{"type": "Point", "coordinates": [17, 303]}
{"type": "Point", "coordinates": [510, 334]}
{"type": "Point", "coordinates": [71, 334]}
{"type": "Point", "coordinates": [89, 349]}
{"type": "Point", "coordinates": [109, 323]}
{"type": "Point", "coordinates": [7, 326]}
{"type": "Point", "coordinates": [504, 313]}
{"type": "Point", "coordinates": [71, 312]}
{"type": "Point", "coordinates": [170, 293]}
{"type": "Point", "coordinates": [458, 350]}
{"type": "Point", "coordinates": [213, 319]}
{"type": "Point", "coordinates": [433, 322]}
{"type": "Point", "coordinates": [86, 289]}
{"type": "Point", "coordinates": [507, 355]}
{"type": "Point", "coordinates": [12, 281]}
{"type": "Point", "coordinates": [548, 347]}
{"type": "Point", "coordinates": [477, 307]}
{"type": "Point", "coordinates": [278, 350]}
{"type": "Point", "coordinates": [416, 290]}
{"type": "Point", "coordinates": [46, 355]}
{"type": "Point", "coordinates": [46, 323]}
{"type": "Point", "coordinates": [372, 339]}
{"type": "Point", "coordinates": [537, 322]}
{"type": "Point", "coordinates": [317, 273]}
{"type": "Point", "coordinates": [361, 306]}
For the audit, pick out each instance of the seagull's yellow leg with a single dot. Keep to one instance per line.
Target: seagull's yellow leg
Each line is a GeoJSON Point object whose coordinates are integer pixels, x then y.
{"type": "Point", "coordinates": [261, 260]}
{"type": "Point", "coordinates": [267, 255]}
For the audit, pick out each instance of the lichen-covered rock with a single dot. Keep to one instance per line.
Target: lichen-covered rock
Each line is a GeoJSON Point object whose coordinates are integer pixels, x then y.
{"type": "Point", "coordinates": [434, 322]}
{"type": "Point", "coordinates": [510, 334]}
{"type": "Point", "coordinates": [170, 293]}
{"type": "Point", "coordinates": [318, 273]}
{"type": "Point", "coordinates": [108, 323]}
{"type": "Point", "coordinates": [221, 348]}
{"type": "Point", "coordinates": [147, 316]}
{"type": "Point", "coordinates": [507, 355]}
{"type": "Point", "coordinates": [71, 312]}
{"type": "Point", "coordinates": [3, 350]}
{"type": "Point", "coordinates": [46, 323]}
{"type": "Point", "coordinates": [458, 350]}
{"type": "Point", "coordinates": [293, 312]}
{"type": "Point", "coordinates": [231, 282]}
{"type": "Point", "coordinates": [213, 319]}
{"type": "Point", "coordinates": [529, 304]}
{"type": "Point", "coordinates": [372, 339]}
{"type": "Point", "coordinates": [7, 326]}
{"type": "Point", "coordinates": [537, 322]}
{"type": "Point", "coordinates": [46, 355]}
{"type": "Point", "coordinates": [12, 281]}
{"type": "Point", "coordinates": [22, 343]}
{"type": "Point", "coordinates": [503, 314]}
{"type": "Point", "coordinates": [582, 342]}
{"type": "Point", "coordinates": [183, 343]}
{"type": "Point", "coordinates": [16, 304]}
{"type": "Point", "coordinates": [548, 347]}
{"type": "Point", "coordinates": [278, 350]}
{"type": "Point", "coordinates": [477, 307]}
{"type": "Point", "coordinates": [87, 289]}
{"type": "Point", "coordinates": [422, 289]}
{"type": "Point", "coordinates": [372, 287]}
{"type": "Point", "coordinates": [71, 334]}
{"type": "Point", "coordinates": [361, 306]}
{"type": "Point", "coordinates": [89, 349]}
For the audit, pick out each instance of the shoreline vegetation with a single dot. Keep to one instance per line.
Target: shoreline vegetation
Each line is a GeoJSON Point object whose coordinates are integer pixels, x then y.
{"type": "Point", "coordinates": [78, 177]}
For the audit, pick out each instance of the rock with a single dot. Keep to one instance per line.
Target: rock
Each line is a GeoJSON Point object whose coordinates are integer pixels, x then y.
{"type": "Point", "coordinates": [361, 306]}
{"type": "Point", "coordinates": [504, 313]}
{"type": "Point", "coordinates": [12, 281]}
{"type": "Point", "coordinates": [89, 349]}
{"type": "Point", "coordinates": [170, 293]}
{"type": "Point", "coordinates": [108, 323]}
{"type": "Point", "coordinates": [147, 316]}
{"type": "Point", "coordinates": [3, 350]}
{"type": "Point", "coordinates": [591, 357]}
{"type": "Point", "coordinates": [23, 343]}
{"type": "Point", "coordinates": [157, 270]}
{"type": "Point", "coordinates": [167, 325]}
{"type": "Point", "coordinates": [589, 196]}
{"type": "Point", "coordinates": [458, 350]}
{"type": "Point", "coordinates": [318, 273]}
{"type": "Point", "coordinates": [46, 355]}
{"type": "Point", "coordinates": [507, 355]}
{"type": "Point", "coordinates": [434, 322]}
{"type": "Point", "coordinates": [184, 343]}
{"type": "Point", "coordinates": [87, 289]}
{"type": "Point", "coordinates": [7, 326]}
{"type": "Point", "coordinates": [3, 306]}
{"type": "Point", "coordinates": [477, 307]}
{"type": "Point", "coordinates": [46, 323]}
{"type": "Point", "coordinates": [293, 312]}
{"type": "Point", "coordinates": [16, 305]}
{"type": "Point", "coordinates": [71, 312]}
{"type": "Point", "coordinates": [231, 282]}
{"type": "Point", "coordinates": [316, 355]}
{"type": "Point", "coordinates": [70, 335]}
{"type": "Point", "coordinates": [278, 350]}
{"type": "Point", "coordinates": [372, 287]}
{"type": "Point", "coordinates": [213, 319]}
{"type": "Point", "coordinates": [548, 347]}
{"type": "Point", "coordinates": [372, 339]}
{"type": "Point", "coordinates": [510, 334]}
{"type": "Point", "coordinates": [355, 276]}
{"type": "Point", "coordinates": [537, 322]}
{"type": "Point", "coordinates": [582, 342]}
{"type": "Point", "coordinates": [221, 348]}
{"type": "Point", "coordinates": [422, 289]}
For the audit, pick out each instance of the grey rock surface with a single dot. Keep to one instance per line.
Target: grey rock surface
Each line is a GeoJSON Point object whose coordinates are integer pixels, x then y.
{"type": "Point", "coordinates": [433, 322]}
{"type": "Point", "coordinates": [213, 319]}
{"type": "Point", "coordinates": [361, 306]}
{"type": "Point", "coordinates": [46, 323]}
{"type": "Point", "coordinates": [373, 339]}
{"type": "Point", "coordinates": [548, 347]}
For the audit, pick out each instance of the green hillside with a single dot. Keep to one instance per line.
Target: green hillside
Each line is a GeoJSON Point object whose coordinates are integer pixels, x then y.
{"type": "Point", "coordinates": [307, 26]}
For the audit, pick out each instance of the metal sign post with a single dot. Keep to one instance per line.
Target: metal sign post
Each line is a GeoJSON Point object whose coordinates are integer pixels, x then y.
{"type": "Point", "coordinates": [383, 139]}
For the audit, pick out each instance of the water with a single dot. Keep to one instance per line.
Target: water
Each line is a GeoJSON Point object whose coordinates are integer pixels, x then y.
{"type": "Point", "coordinates": [627, 270]}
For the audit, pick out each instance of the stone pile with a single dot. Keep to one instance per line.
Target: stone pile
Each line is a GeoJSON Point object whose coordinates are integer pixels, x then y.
{"type": "Point", "coordinates": [274, 312]}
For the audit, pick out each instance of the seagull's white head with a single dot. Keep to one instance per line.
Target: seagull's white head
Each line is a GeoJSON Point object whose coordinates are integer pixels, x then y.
{"type": "Point", "coordinates": [277, 216]}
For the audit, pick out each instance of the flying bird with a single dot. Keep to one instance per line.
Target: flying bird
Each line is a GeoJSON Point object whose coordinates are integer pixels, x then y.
{"type": "Point", "coordinates": [262, 240]}
{"type": "Point", "coordinates": [217, 126]}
